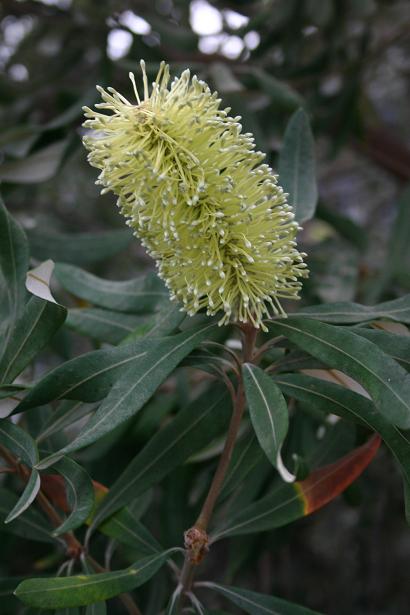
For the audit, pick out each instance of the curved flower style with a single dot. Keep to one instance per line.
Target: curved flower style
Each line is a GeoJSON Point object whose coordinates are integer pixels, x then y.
{"type": "Point", "coordinates": [196, 193]}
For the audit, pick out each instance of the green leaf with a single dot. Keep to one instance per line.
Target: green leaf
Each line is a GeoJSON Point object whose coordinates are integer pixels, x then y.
{"type": "Point", "coordinates": [269, 415]}
{"type": "Point", "coordinates": [96, 608]}
{"type": "Point", "coordinates": [18, 140]}
{"type": "Point", "coordinates": [192, 429]}
{"type": "Point", "coordinates": [77, 248]}
{"type": "Point", "coordinates": [27, 497]}
{"type": "Point", "coordinates": [80, 494]}
{"type": "Point", "coordinates": [383, 378]}
{"type": "Point", "coordinates": [18, 442]}
{"type": "Point", "coordinates": [246, 455]}
{"type": "Point", "coordinates": [103, 325]}
{"type": "Point", "coordinates": [331, 398]}
{"type": "Point", "coordinates": [129, 531]}
{"type": "Point", "coordinates": [30, 334]}
{"type": "Point", "coordinates": [81, 590]}
{"type": "Point", "coordinates": [38, 167]}
{"type": "Point", "coordinates": [346, 313]}
{"type": "Point", "coordinates": [297, 166]}
{"type": "Point", "coordinates": [289, 502]}
{"type": "Point", "coordinates": [397, 346]}
{"type": "Point", "coordinates": [31, 525]}
{"type": "Point", "coordinates": [139, 296]}
{"type": "Point", "coordinates": [13, 266]}
{"type": "Point", "coordinates": [281, 94]}
{"type": "Point", "coordinates": [165, 321]}
{"type": "Point", "coordinates": [134, 388]}
{"type": "Point", "coordinates": [88, 377]}
{"type": "Point", "coordinates": [346, 228]}
{"type": "Point", "coordinates": [258, 604]}
{"type": "Point", "coordinates": [67, 413]}
{"type": "Point", "coordinates": [24, 448]}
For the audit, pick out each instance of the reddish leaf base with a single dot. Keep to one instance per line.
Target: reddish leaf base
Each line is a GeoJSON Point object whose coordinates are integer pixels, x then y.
{"type": "Point", "coordinates": [324, 484]}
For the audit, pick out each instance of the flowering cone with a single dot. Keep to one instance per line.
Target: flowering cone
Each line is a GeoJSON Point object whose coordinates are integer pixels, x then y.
{"type": "Point", "coordinates": [199, 197]}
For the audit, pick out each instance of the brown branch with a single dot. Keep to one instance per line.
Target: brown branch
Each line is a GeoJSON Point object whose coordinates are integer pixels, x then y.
{"type": "Point", "coordinates": [74, 548]}
{"type": "Point", "coordinates": [196, 538]}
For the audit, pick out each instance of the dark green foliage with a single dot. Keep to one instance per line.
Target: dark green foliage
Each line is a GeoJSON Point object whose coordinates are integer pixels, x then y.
{"type": "Point", "coordinates": [115, 405]}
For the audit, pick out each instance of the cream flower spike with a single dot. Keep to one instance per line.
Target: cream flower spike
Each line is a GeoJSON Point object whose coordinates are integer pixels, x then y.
{"type": "Point", "coordinates": [198, 196]}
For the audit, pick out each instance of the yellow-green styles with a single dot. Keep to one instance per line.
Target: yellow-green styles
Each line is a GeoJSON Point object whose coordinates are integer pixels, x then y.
{"type": "Point", "coordinates": [198, 196]}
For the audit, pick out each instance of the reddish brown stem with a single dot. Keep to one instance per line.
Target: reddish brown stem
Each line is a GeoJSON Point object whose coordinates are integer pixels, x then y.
{"type": "Point", "coordinates": [196, 538]}
{"type": "Point", "coordinates": [74, 546]}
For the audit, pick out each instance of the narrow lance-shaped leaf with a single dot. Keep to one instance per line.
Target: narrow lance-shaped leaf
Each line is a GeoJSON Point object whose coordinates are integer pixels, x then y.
{"type": "Point", "coordinates": [246, 455]}
{"type": "Point", "coordinates": [293, 501]}
{"type": "Point", "coordinates": [139, 296]}
{"type": "Point", "coordinates": [88, 377]}
{"type": "Point", "coordinates": [269, 415]}
{"type": "Point", "coordinates": [136, 386]}
{"type": "Point", "coordinates": [163, 323]}
{"type": "Point", "coordinates": [335, 399]}
{"type": "Point", "coordinates": [41, 318]}
{"type": "Point", "coordinates": [32, 331]}
{"type": "Point", "coordinates": [124, 526]}
{"type": "Point", "coordinates": [103, 325]}
{"type": "Point", "coordinates": [397, 346]}
{"type": "Point", "coordinates": [297, 167]}
{"type": "Point", "coordinates": [97, 608]}
{"type": "Point", "coordinates": [24, 448]}
{"type": "Point", "coordinates": [77, 248]}
{"type": "Point", "coordinates": [10, 396]}
{"type": "Point", "coordinates": [80, 494]}
{"type": "Point", "coordinates": [38, 167]}
{"type": "Point", "coordinates": [129, 531]}
{"type": "Point", "coordinates": [67, 413]}
{"type": "Point", "coordinates": [384, 379]}
{"type": "Point", "coordinates": [31, 525]}
{"type": "Point", "coordinates": [345, 313]}
{"type": "Point", "coordinates": [81, 590]}
{"type": "Point", "coordinates": [27, 497]}
{"type": "Point", "coordinates": [19, 442]}
{"type": "Point", "coordinates": [13, 267]}
{"type": "Point", "coordinates": [192, 429]}
{"type": "Point", "coordinates": [281, 94]}
{"type": "Point", "coordinates": [258, 604]}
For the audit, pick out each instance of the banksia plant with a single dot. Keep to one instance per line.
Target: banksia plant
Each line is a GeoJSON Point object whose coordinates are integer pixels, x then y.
{"type": "Point", "coordinates": [199, 197]}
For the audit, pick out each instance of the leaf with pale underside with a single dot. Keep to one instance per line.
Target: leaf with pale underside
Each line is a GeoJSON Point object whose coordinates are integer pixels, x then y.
{"type": "Point", "coordinates": [269, 415]}
{"type": "Point", "coordinates": [80, 494]}
{"type": "Point", "coordinates": [20, 443]}
{"type": "Point", "coordinates": [331, 398]}
{"type": "Point", "coordinates": [385, 380]}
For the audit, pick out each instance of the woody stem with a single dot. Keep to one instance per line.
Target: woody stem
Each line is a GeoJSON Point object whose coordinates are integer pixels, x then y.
{"type": "Point", "coordinates": [74, 546]}
{"type": "Point", "coordinates": [200, 527]}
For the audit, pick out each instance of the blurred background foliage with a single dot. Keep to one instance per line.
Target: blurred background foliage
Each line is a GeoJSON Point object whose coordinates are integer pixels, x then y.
{"type": "Point", "coordinates": [348, 64]}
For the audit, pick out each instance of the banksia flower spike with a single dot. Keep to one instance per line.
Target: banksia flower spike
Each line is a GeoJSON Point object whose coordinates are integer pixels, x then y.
{"type": "Point", "coordinates": [198, 196]}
